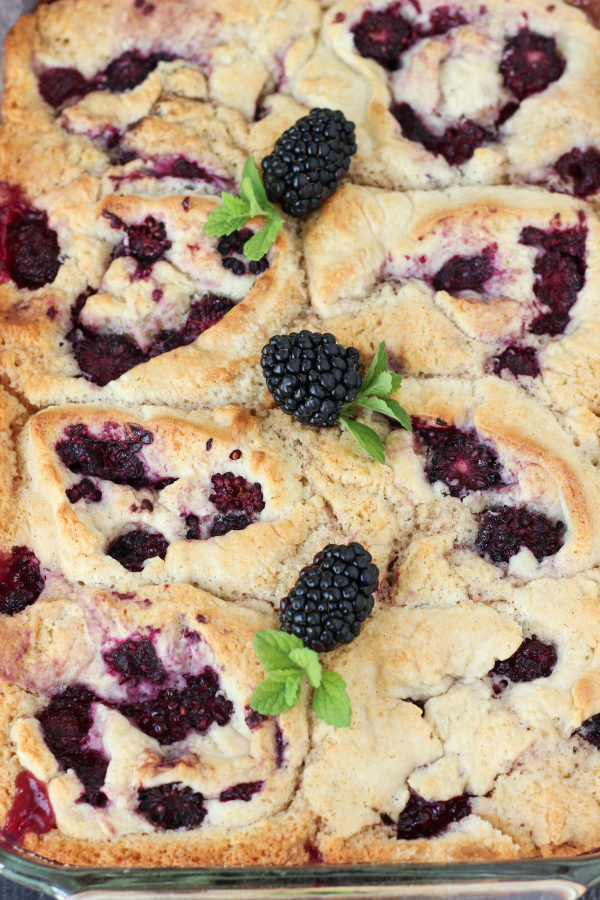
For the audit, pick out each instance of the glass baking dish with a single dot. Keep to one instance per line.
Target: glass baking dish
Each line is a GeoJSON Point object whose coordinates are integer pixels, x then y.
{"type": "Point", "coordinates": [542, 879]}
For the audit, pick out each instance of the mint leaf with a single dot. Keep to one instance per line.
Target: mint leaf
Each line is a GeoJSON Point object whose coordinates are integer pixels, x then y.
{"type": "Point", "coordinates": [396, 382]}
{"type": "Point", "coordinates": [292, 689]}
{"type": "Point", "coordinates": [253, 190]}
{"type": "Point", "coordinates": [381, 386]}
{"type": "Point", "coordinates": [399, 413]}
{"type": "Point", "coordinates": [256, 247]}
{"type": "Point", "coordinates": [273, 648]}
{"type": "Point", "coordinates": [379, 365]}
{"type": "Point", "coordinates": [331, 701]}
{"type": "Point", "coordinates": [379, 404]}
{"type": "Point", "coordinates": [283, 675]}
{"type": "Point", "coordinates": [232, 214]}
{"type": "Point", "coordinates": [368, 439]}
{"type": "Point", "coordinates": [308, 661]}
{"type": "Point", "coordinates": [270, 698]}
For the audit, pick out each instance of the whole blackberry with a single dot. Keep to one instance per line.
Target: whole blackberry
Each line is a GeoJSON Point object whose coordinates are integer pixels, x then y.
{"type": "Point", "coordinates": [311, 376]}
{"type": "Point", "coordinates": [331, 598]}
{"type": "Point", "coordinates": [308, 161]}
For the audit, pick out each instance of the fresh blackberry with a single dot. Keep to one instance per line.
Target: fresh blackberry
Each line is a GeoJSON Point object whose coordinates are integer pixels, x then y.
{"type": "Point", "coordinates": [311, 376]}
{"type": "Point", "coordinates": [331, 598]}
{"type": "Point", "coordinates": [308, 161]}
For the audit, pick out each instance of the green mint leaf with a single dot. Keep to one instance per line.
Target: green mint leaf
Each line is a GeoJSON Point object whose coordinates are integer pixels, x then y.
{"type": "Point", "coordinates": [331, 701]}
{"type": "Point", "coordinates": [292, 689]}
{"type": "Point", "coordinates": [396, 382]}
{"type": "Point", "coordinates": [379, 365]}
{"type": "Point", "coordinates": [273, 648]}
{"type": "Point", "coordinates": [381, 386]}
{"type": "Point", "coordinates": [283, 675]}
{"type": "Point", "coordinates": [368, 439]}
{"type": "Point", "coordinates": [399, 413]}
{"type": "Point", "coordinates": [308, 661]}
{"type": "Point", "coordinates": [256, 247]}
{"type": "Point", "coordinates": [379, 404]}
{"type": "Point", "coordinates": [253, 190]}
{"type": "Point", "coordinates": [270, 697]}
{"type": "Point", "coordinates": [232, 214]}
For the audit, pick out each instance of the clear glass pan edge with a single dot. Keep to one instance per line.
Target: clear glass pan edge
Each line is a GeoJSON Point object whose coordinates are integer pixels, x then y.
{"type": "Point", "coordinates": [555, 879]}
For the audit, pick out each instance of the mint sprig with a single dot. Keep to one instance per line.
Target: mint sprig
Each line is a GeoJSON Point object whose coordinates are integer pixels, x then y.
{"type": "Point", "coordinates": [234, 212]}
{"type": "Point", "coordinates": [287, 661]}
{"type": "Point", "coordinates": [374, 393]}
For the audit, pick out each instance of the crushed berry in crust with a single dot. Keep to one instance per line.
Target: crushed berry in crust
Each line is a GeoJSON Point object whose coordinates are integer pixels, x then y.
{"type": "Point", "coordinates": [135, 660]}
{"type": "Point", "coordinates": [465, 273]}
{"type": "Point", "coordinates": [518, 360]}
{"type": "Point", "coordinates": [172, 806]}
{"type": "Point", "coordinates": [504, 530]}
{"type": "Point", "coordinates": [425, 819]}
{"type": "Point", "coordinates": [530, 63]}
{"type": "Point", "coordinates": [458, 142]}
{"type": "Point", "coordinates": [458, 458]}
{"type": "Point", "coordinates": [173, 713]}
{"type": "Point", "coordinates": [244, 791]}
{"type": "Point", "coordinates": [65, 725]}
{"type": "Point", "coordinates": [84, 490]}
{"type": "Point", "coordinates": [580, 170]}
{"type": "Point", "coordinates": [113, 456]}
{"type": "Point", "coordinates": [21, 581]}
{"type": "Point", "coordinates": [533, 659]}
{"type": "Point", "coordinates": [135, 547]}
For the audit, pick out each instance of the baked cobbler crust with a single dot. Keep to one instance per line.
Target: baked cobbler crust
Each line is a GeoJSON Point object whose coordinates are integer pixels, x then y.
{"type": "Point", "coordinates": [157, 507]}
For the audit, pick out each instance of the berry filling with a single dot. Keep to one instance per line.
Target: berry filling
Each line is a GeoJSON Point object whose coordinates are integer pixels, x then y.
{"type": "Point", "coordinates": [530, 63]}
{"type": "Point", "coordinates": [244, 791]}
{"type": "Point", "coordinates": [231, 248]}
{"type": "Point", "coordinates": [384, 35]}
{"type": "Point", "coordinates": [173, 713]}
{"type": "Point", "coordinates": [233, 494]}
{"type": "Point", "coordinates": [580, 169]}
{"type": "Point", "coordinates": [21, 581]}
{"type": "Point", "coordinates": [424, 819]}
{"type": "Point", "coordinates": [504, 530]}
{"type": "Point", "coordinates": [533, 659]}
{"type": "Point", "coordinates": [457, 458]}
{"type": "Point", "coordinates": [559, 274]}
{"type": "Point", "coordinates": [147, 243]}
{"type": "Point", "coordinates": [135, 660]}
{"type": "Point", "coordinates": [59, 85]}
{"type": "Point", "coordinates": [518, 360]}
{"type": "Point", "coordinates": [31, 810]}
{"type": "Point", "coordinates": [84, 490]}
{"type": "Point", "coordinates": [65, 724]}
{"type": "Point", "coordinates": [29, 250]}
{"type": "Point", "coordinates": [104, 357]}
{"type": "Point", "coordinates": [171, 806]}
{"type": "Point", "coordinates": [238, 501]}
{"type": "Point", "coordinates": [113, 457]}
{"type": "Point", "coordinates": [465, 273]}
{"type": "Point", "coordinates": [456, 144]}
{"type": "Point", "coordinates": [135, 547]}
{"type": "Point", "coordinates": [590, 730]}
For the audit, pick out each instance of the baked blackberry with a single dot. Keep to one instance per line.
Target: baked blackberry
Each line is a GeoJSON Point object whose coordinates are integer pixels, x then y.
{"type": "Point", "coordinates": [332, 597]}
{"type": "Point", "coordinates": [308, 161]}
{"type": "Point", "coordinates": [311, 376]}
